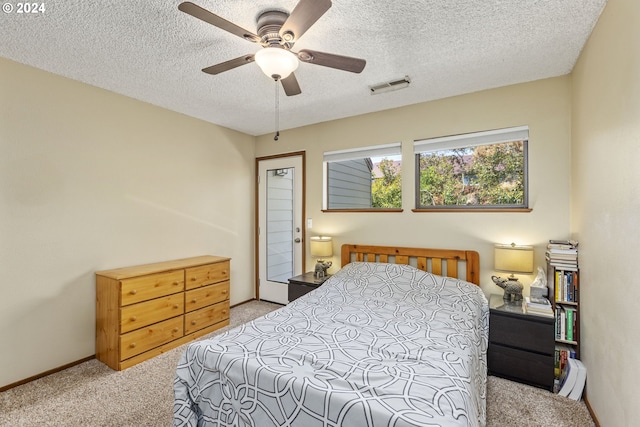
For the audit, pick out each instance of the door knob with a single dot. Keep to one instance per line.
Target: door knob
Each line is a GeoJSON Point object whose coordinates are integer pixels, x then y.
{"type": "Point", "coordinates": [297, 240]}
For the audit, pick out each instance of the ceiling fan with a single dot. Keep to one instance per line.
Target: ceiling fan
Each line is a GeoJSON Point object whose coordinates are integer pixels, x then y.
{"type": "Point", "coordinates": [277, 32]}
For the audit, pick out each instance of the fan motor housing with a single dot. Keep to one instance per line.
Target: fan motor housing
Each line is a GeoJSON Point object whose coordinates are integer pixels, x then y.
{"type": "Point", "coordinates": [269, 24]}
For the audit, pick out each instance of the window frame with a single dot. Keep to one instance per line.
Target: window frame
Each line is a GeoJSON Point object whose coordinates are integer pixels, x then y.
{"type": "Point", "coordinates": [361, 153]}
{"type": "Point", "coordinates": [474, 139]}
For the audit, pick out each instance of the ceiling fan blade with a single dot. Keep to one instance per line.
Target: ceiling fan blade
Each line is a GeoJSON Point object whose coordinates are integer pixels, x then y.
{"type": "Point", "coordinates": [206, 16]}
{"type": "Point", "coordinates": [345, 63]}
{"type": "Point", "coordinates": [228, 65]}
{"type": "Point", "coordinates": [291, 86]}
{"type": "Point", "coordinates": [302, 17]}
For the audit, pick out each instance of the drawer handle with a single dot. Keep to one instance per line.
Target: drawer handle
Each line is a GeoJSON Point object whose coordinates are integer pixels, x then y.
{"type": "Point", "coordinates": [193, 279]}
{"type": "Point", "coordinates": [132, 345]}
{"type": "Point", "coordinates": [176, 283]}
{"type": "Point", "coordinates": [176, 306]}
{"type": "Point", "coordinates": [133, 292]}
{"type": "Point", "coordinates": [224, 311]}
{"type": "Point", "coordinates": [194, 301]}
{"type": "Point", "coordinates": [175, 329]}
{"type": "Point", "coordinates": [193, 322]}
{"type": "Point", "coordinates": [224, 272]}
{"type": "Point", "coordinates": [224, 292]}
{"type": "Point", "coordinates": [134, 318]}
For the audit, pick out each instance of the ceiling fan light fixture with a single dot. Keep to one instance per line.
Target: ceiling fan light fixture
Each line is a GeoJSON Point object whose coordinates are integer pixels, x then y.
{"type": "Point", "coordinates": [276, 62]}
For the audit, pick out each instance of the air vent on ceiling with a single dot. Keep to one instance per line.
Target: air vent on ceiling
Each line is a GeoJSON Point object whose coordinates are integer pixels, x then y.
{"type": "Point", "coordinates": [390, 86]}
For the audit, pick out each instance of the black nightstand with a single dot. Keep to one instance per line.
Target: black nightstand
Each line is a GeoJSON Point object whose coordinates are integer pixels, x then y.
{"type": "Point", "coordinates": [303, 284]}
{"type": "Point", "coordinates": [521, 345]}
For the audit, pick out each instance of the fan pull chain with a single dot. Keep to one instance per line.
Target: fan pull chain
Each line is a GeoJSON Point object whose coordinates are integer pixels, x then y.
{"type": "Point", "coordinates": [275, 138]}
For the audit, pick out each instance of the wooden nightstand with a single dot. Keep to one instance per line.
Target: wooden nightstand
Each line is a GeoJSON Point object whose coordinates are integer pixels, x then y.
{"type": "Point", "coordinates": [521, 345]}
{"type": "Point", "coordinates": [303, 284]}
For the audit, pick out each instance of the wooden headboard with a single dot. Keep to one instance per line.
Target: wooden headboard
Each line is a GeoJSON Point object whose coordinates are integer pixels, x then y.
{"type": "Point", "coordinates": [443, 262]}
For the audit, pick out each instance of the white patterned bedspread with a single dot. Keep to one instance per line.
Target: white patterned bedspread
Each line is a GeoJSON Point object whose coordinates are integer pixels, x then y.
{"type": "Point", "coordinates": [376, 345]}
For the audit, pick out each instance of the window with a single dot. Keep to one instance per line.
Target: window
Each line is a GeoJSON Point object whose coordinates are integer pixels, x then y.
{"type": "Point", "coordinates": [363, 178]}
{"type": "Point", "coordinates": [483, 170]}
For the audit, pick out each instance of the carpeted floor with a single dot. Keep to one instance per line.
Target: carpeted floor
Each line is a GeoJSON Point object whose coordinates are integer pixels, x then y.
{"type": "Point", "coordinates": [91, 394]}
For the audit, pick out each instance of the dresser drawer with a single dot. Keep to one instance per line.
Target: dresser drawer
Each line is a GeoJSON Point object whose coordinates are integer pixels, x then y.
{"type": "Point", "coordinates": [523, 366]}
{"type": "Point", "coordinates": [206, 317]}
{"type": "Point", "coordinates": [136, 316]}
{"type": "Point", "coordinates": [151, 286]}
{"type": "Point", "coordinates": [525, 333]}
{"type": "Point", "coordinates": [202, 297]}
{"type": "Point", "coordinates": [203, 275]}
{"type": "Point", "coordinates": [144, 339]}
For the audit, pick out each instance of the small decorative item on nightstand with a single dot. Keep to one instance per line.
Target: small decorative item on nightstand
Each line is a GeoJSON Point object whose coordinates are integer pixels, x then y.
{"type": "Point", "coordinates": [321, 247]}
{"type": "Point", "coordinates": [512, 259]}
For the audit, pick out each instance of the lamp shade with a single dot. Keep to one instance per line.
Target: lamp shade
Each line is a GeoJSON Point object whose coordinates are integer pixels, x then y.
{"type": "Point", "coordinates": [276, 62]}
{"type": "Point", "coordinates": [513, 259]}
{"type": "Point", "coordinates": [321, 246]}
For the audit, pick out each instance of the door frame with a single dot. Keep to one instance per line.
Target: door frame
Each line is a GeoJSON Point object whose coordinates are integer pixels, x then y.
{"type": "Point", "coordinates": [257, 216]}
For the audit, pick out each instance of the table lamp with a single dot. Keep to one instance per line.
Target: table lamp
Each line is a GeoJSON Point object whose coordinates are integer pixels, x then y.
{"type": "Point", "coordinates": [512, 259]}
{"type": "Point", "coordinates": [321, 247]}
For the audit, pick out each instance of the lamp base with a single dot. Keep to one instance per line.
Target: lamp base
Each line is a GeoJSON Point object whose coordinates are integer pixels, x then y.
{"type": "Point", "coordinates": [512, 287]}
{"type": "Point", "coordinates": [321, 268]}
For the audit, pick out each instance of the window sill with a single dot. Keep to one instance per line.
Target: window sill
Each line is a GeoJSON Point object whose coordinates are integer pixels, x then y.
{"type": "Point", "coordinates": [478, 209]}
{"type": "Point", "coordinates": [362, 210]}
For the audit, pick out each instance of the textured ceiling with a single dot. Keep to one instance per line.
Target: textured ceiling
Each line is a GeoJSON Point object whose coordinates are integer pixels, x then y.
{"type": "Point", "coordinates": [149, 50]}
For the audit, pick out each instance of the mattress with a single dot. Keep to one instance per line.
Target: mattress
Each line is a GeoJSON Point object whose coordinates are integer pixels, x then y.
{"type": "Point", "coordinates": [376, 345]}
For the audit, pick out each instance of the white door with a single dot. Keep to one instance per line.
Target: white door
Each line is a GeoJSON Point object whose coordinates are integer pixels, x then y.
{"type": "Point", "coordinates": [280, 226]}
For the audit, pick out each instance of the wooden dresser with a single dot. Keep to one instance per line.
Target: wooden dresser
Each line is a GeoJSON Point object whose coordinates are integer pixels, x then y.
{"type": "Point", "coordinates": [145, 310]}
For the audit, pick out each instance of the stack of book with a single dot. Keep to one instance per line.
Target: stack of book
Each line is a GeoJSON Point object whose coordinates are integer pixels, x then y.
{"type": "Point", "coordinates": [566, 286]}
{"type": "Point", "coordinates": [539, 306]}
{"type": "Point", "coordinates": [563, 254]}
{"type": "Point", "coordinates": [566, 319]}
{"type": "Point", "coordinates": [572, 380]}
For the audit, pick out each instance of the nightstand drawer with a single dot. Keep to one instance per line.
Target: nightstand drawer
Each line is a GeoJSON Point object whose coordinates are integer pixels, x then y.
{"type": "Point", "coordinates": [296, 291]}
{"type": "Point", "coordinates": [523, 366]}
{"type": "Point", "coordinates": [303, 284]}
{"type": "Point", "coordinates": [523, 333]}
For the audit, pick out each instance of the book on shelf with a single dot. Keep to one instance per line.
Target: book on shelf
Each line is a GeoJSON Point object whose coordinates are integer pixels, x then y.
{"type": "Point", "coordinates": [566, 286]}
{"type": "Point", "coordinates": [563, 352]}
{"type": "Point", "coordinates": [569, 244]}
{"type": "Point", "coordinates": [563, 253]}
{"type": "Point", "coordinates": [566, 319]}
{"type": "Point", "coordinates": [569, 328]}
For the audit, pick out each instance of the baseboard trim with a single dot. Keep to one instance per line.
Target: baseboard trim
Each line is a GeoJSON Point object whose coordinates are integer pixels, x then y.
{"type": "Point", "coordinates": [591, 411]}
{"type": "Point", "coordinates": [69, 365]}
{"type": "Point", "coordinates": [44, 374]}
{"type": "Point", "coordinates": [243, 302]}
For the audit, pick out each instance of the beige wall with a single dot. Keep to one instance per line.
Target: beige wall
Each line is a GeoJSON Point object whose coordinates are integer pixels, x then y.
{"type": "Point", "coordinates": [543, 105]}
{"type": "Point", "coordinates": [605, 209]}
{"type": "Point", "coordinates": [91, 180]}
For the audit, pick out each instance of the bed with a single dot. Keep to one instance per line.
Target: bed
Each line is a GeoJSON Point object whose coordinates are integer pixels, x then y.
{"type": "Point", "coordinates": [397, 337]}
